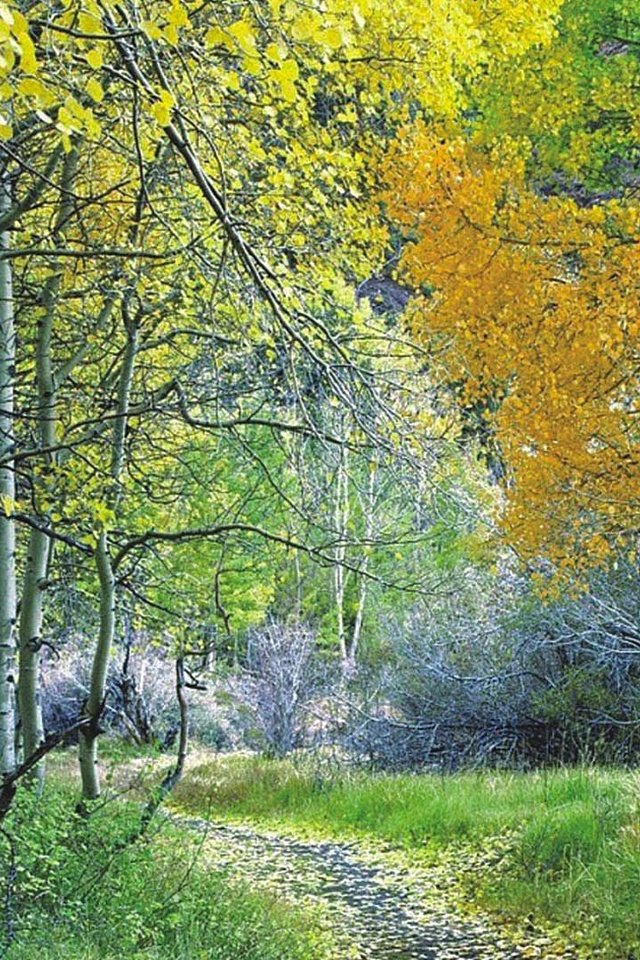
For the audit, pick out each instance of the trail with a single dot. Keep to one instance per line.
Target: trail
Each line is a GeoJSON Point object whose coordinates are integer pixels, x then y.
{"type": "Point", "coordinates": [377, 908]}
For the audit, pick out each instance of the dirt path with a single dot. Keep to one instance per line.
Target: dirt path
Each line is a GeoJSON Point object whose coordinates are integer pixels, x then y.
{"type": "Point", "coordinates": [378, 909]}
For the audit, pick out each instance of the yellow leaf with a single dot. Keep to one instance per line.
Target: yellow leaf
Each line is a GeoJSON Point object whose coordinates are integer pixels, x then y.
{"type": "Point", "coordinates": [178, 16]}
{"type": "Point", "coordinates": [30, 87]}
{"type": "Point", "coordinates": [7, 61]}
{"type": "Point", "coordinates": [306, 26]}
{"type": "Point", "coordinates": [75, 108]}
{"type": "Point", "coordinates": [231, 81]}
{"type": "Point", "coordinates": [91, 125]}
{"type": "Point", "coordinates": [89, 23]}
{"type": "Point", "coordinates": [215, 37]}
{"type": "Point", "coordinates": [272, 50]}
{"type": "Point", "coordinates": [285, 76]}
{"type": "Point", "coordinates": [289, 70]}
{"type": "Point", "coordinates": [244, 36]}
{"type": "Point", "coordinates": [28, 60]}
{"type": "Point", "coordinates": [358, 17]}
{"type": "Point", "coordinates": [94, 58]}
{"type": "Point", "coordinates": [252, 65]}
{"type": "Point", "coordinates": [20, 24]}
{"type": "Point", "coordinates": [256, 151]}
{"type": "Point", "coordinates": [152, 29]}
{"type": "Point", "coordinates": [95, 90]}
{"type": "Point", "coordinates": [331, 38]}
{"type": "Point", "coordinates": [162, 108]}
{"type": "Point", "coordinates": [66, 121]}
{"type": "Point", "coordinates": [170, 33]}
{"type": "Point", "coordinates": [347, 116]}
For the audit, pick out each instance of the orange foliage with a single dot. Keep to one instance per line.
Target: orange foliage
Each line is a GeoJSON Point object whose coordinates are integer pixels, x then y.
{"type": "Point", "coordinates": [534, 302]}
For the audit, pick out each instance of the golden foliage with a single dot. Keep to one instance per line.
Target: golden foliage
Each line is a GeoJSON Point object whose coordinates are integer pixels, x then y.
{"type": "Point", "coordinates": [533, 303]}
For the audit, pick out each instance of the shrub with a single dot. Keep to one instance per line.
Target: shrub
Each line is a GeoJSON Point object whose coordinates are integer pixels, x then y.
{"type": "Point", "coordinates": [81, 892]}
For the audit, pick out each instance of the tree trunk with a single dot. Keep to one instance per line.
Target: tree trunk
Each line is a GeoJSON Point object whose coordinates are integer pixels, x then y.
{"type": "Point", "coordinates": [39, 553]}
{"type": "Point", "coordinates": [29, 642]}
{"type": "Point", "coordinates": [38, 557]}
{"type": "Point", "coordinates": [7, 500]}
{"type": "Point", "coordinates": [351, 664]}
{"type": "Point", "coordinates": [88, 743]}
{"type": "Point", "coordinates": [341, 523]}
{"type": "Point", "coordinates": [88, 740]}
{"type": "Point", "coordinates": [173, 777]}
{"type": "Point", "coordinates": [40, 544]}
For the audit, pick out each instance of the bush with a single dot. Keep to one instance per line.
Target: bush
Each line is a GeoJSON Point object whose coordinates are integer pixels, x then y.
{"type": "Point", "coordinates": [488, 675]}
{"type": "Point", "coordinates": [280, 679]}
{"type": "Point", "coordinates": [80, 892]}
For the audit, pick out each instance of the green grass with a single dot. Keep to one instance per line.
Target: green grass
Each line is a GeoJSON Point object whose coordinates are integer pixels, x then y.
{"type": "Point", "coordinates": [79, 895]}
{"type": "Point", "coordinates": [569, 850]}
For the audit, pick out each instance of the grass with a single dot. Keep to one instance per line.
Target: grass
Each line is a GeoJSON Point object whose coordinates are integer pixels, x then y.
{"type": "Point", "coordinates": [81, 894]}
{"type": "Point", "coordinates": [561, 847]}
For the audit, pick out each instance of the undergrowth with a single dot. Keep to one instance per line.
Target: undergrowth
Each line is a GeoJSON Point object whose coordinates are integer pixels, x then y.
{"type": "Point", "coordinates": [73, 889]}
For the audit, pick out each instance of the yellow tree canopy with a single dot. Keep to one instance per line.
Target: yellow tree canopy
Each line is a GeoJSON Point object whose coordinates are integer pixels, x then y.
{"type": "Point", "coordinates": [227, 163]}
{"type": "Point", "coordinates": [531, 303]}
{"type": "Point", "coordinates": [286, 104]}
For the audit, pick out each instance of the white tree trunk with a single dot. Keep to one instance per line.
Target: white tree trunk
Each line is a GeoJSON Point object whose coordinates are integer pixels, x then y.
{"type": "Point", "coordinates": [88, 741]}
{"type": "Point", "coordinates": [40, 544]}
{"type": "Point", "coordinates": [7, 500]}
{"type": "Point", "coordinates": [341, 521]}
{"type": "Point", "coordinates": [369, 509]}
{"type": "Point", "coordinates": [29, 641]}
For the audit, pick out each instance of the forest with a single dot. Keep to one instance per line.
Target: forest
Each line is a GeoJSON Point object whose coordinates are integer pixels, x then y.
{"type": "Point", "coordinates": [319, 485]}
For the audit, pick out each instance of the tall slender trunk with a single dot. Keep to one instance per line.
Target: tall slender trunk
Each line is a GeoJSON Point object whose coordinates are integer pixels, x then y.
{"type": "Point", "coordinates": [369, 508]}
{"type": "Point", "coordinates": [88, 740]}
{"type": "Point", "coordinates": [7, 499]}
{"type": "Point", "coordinates": [39, 553]}
{"type": "Point", "coordinates": [299, 585]}
{"type": "Point", "coordinates": [341, 521]}
{"type": "Point", "coordinates": [29, 642]}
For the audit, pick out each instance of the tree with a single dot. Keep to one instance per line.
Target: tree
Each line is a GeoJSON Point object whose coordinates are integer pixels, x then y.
{"type": "Point", "coordinates": [7, 498]}
{"type": "Point", "coordinates": [531, 302]}
{"type": "Point", "coordinates": [39, 549]}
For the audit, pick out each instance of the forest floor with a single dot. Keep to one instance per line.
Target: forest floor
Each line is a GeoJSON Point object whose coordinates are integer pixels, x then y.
{"type": "Point", "coordinates": [290, 860]}
{"type": "Point", "coordinates": [377, 905]}
{"type": "Point", "coordinates": [552, 857]}
{"type": "Point", "coordinates": [488, 865]}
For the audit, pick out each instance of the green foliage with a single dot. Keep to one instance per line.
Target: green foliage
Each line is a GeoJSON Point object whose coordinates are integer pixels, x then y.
{"type": "Point", "coordinates": [576, 696]}
{"type": "Point", "coordinates": [566, 842]}
{"type": "Point", "coordinates": [573, 99]}
{"type": "Point", "coordinates": [78, 896]}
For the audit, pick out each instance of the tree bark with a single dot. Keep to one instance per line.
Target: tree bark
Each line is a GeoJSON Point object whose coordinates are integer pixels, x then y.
{"type": "Point", "coordinates": [341, 524]}
{"type": "Point", "coordinates": [40, 544]}
{"type": "Point", "coordinates": [369, 510]}
{"type": "Point", "coordinates": [88, 741]}
{"type": "Point", "coordinates": [29, 642]}
{"type": "Point", "coordinates": [7, 499]}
